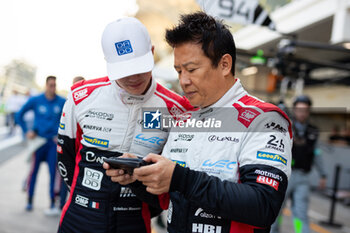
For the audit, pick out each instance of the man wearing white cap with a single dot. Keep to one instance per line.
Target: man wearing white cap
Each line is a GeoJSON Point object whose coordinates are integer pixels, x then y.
{"type": "Point", "coordinates": [103, 118]}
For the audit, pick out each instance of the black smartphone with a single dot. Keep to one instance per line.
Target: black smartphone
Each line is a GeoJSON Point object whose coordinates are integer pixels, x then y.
{"type": "Point", "coordinates": [127, 164]}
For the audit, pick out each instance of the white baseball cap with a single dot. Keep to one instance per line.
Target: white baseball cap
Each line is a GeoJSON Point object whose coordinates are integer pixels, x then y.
{"type": "Point", "coordinates": [127, 48]}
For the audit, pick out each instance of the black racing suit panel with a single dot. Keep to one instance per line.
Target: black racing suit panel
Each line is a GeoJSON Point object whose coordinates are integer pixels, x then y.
{"type": "Point", "coordinates": [247, 202]}
{"type": "Point", "coordinates": [101, 120]}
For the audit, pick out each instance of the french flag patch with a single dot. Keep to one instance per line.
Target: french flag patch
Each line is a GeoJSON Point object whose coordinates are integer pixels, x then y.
{"type": "Point", "coordinates": [95, 205]}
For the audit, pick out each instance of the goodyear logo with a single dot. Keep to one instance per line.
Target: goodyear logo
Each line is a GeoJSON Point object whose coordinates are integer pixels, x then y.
{"type": "Point", "coordinates": [96, 141]}
{"type": "Point", "coordinates": [271, 156]}
{"type": "Point", "coordinates": [62, 126]}
{"type": "Point", "coordinates": [181, 163]}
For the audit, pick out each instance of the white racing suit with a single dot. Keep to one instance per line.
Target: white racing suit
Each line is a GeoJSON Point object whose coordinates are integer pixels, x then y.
{"type": "Point", "coordinates": [231, 179]}
{"type": "Point", "coordinates": [100, 120]}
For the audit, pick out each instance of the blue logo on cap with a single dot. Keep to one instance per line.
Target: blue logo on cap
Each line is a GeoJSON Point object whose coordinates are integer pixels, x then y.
{"type": "Point", "coordinates": [151, 119]}
{"type": "Point", "coordinates": [123, 47]}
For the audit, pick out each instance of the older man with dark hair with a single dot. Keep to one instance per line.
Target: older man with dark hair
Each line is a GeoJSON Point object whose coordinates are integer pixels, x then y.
{"type": "Point", "coordinates": [225, 180]}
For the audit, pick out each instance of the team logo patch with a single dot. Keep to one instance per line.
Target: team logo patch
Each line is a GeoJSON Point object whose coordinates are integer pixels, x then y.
{"type": "Point", "coordinates": [246, 115]}
{"type": "Point", "coordinates": [152, 119]}
{"type": "Point", "coordinates": [123, 47]}
{"type": "Point", "coordinates": [92, 179]}
{"type": "Point", "coordinates": [59, 149]}
{"type": "Point", "coordinates": [78, 95]}
{"type": "Point", "coordinates": [267, 180]}
{"type": "Point", "coordinates": [271, 156]}
{"type": "Point", "coordinates": [81, 200]}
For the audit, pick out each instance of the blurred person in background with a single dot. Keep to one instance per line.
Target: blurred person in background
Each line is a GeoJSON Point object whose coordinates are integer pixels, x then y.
{"type": "Point", "coordinates": [347, 135]}
{"type": "Point", "coordinates": [28, 116]}
{"type": "Point", "coordinates": [13, 104]}
{"type": "Point", "coordinates": [335, 136]}
{"type": "Point", "coordinates": [103, 118]}
{"type": "Point", "coordinates": [305, 154]}
{"type": "Point", "coordinates": [47, 108]}
{"type": "Point", "coordinates": [77, 79]}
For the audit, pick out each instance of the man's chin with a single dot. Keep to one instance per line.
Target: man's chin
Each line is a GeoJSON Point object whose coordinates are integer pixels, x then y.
{"type": "Point", "coordinates": [194, 103]}
{"type": "Point", "coordinates": [136, 91]}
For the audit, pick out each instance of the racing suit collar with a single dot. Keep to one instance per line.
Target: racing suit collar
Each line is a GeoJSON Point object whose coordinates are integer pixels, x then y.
{"type": "Point", "coordinates": [230, 97]}
{"type": "Point", "coordinates": [127, 98]}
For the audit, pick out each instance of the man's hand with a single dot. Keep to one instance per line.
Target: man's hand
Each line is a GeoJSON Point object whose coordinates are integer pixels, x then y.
{"type": "Point", "coordinates": [157, 176]}
{"type": "Point", "coordinates": [118, 175]}
{"type": "Point", "coordinates": [31, 134]}
{"type": "Point", "coordinates": [322, 183]}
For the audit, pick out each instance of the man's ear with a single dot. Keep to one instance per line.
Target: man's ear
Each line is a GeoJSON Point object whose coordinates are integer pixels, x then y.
{"type": "Point", "coordinates": [152, 49]}
{"type": "Point", "coordinates": [226, 64]}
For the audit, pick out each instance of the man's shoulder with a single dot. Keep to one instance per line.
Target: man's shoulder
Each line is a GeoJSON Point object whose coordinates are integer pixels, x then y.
{"type": "Point", "coordinates": [37, 97]}
{"type": "Point", "coordinates": [95, 82]}
{"type": "Point", "coordinates": [173, 99]}
{"type": "Point", "coordinates": [61, 98]}
{"type": "Point", "coordinates": [252, 109]}
{"type": "Point", "coordinates": [82, 89]}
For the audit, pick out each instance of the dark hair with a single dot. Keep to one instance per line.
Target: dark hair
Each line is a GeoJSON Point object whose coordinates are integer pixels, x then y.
{"type": "Point", "coordinates": [203, 29]}
{"type": "Point", "coordinates": [77, 79]}
{"type": "Point", "coordinates": [302, 99]}
{"type": "Point", "coordinates": [49, 78]}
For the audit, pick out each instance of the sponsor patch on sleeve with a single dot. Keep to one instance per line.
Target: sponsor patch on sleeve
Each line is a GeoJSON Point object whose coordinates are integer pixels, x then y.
{"type": "Point", "coordinates": [271, 157]}
{"type": "Point", "coordinates": [62, 126]}
{"type": "Point", "coordinates": [268, 181]}
{"type": "Point", "coordinates": [246, 115]}
{"type": "Point", "coordinates": [181, 163]}
{"type": "Point", "coordinates": [59, 149]}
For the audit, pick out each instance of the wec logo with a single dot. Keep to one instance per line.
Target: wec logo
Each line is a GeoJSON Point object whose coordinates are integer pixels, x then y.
{"type": "Point", "coordinates": [219, 164]}
{"type": "Point", "coordinates": [153, 140]}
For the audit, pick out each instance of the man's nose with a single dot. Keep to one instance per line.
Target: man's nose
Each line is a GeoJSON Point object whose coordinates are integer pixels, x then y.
{"type": "Point", "coordinates": [135, 78]}
{"type": "Point", "coordinates": [184, 79]}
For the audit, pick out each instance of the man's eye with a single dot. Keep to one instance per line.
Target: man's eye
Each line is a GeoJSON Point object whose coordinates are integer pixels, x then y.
{"type": "Point", "coordinates": [178, 71]}
{"type": "Point", "coordinates": [191, 70]}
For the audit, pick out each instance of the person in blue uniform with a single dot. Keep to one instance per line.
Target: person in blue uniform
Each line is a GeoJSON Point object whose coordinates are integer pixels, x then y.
{"type": "Point", "coordinates": [47, 108]}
